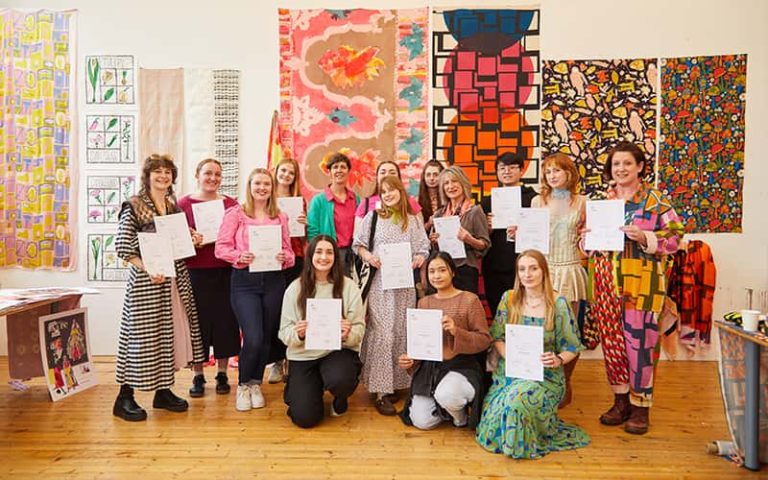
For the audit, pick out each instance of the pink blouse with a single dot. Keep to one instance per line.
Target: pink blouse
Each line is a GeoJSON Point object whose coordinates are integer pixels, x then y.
{"type": "Point", "coordinates": [233, 236]}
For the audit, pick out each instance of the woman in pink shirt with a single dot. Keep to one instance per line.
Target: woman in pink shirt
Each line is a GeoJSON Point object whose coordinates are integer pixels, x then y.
{"type": "Point", "coordinates": [256, 297]}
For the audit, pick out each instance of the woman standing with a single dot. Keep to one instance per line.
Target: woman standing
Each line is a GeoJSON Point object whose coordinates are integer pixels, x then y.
{"type": "Point", "coordinates": [520, 416]}
{"type": "Point", "coordinates": [256, 297]}
{"type": "Point", "coordinates": [567, 215]}
{"type": "Point", "coordinates": [314, 371]}
{"type": "Point", "coordinates": [387, 168]}
{"type": "Point", "coordinates": [629, 288]}
{"type": "Point", "coordinates": [456, 195]}
{"type": "Point", "coordinates": [286, 177]}
{"type": "Point", "coordinates": [210, 285]}
{"type": "Point", "coordinates": [444, 390]}
{"type": "Point", "coordinates": [429, 191]}
{"type": "Point", "coordinates": [384, 341]}
{"type": "Point", "coordinates": [159, 330]}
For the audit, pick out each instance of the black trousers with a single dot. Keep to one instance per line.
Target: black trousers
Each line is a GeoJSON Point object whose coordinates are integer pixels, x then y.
{"type": "Point", "coordinates": [467, 278]}
{"type": "Point", "coordinates": [496, 283]}
{"type": "Point", "coordinates": [337, 372]}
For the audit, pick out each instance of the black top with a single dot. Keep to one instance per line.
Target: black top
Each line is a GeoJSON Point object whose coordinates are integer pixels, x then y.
{"type": "Point", "coordinates": [501, 257]}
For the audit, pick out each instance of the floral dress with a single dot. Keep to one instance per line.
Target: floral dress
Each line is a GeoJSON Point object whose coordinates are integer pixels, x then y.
{"type": "Point", "coordinates": [519, 416]}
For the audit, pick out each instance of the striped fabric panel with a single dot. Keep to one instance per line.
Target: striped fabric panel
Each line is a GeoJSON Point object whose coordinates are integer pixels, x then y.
{"type": "Point", "coordinates": [226, 124]}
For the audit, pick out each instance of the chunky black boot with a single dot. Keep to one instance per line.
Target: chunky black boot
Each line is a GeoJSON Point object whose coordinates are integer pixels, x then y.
{"type": "Point", "coordinates": [222, 383]}
{"type": "Point", "coordinates": [126, 407]}
{"type": "Point", "coordinates": [198, 386]}
{"type": "Point", "coordinates": [165, 399]}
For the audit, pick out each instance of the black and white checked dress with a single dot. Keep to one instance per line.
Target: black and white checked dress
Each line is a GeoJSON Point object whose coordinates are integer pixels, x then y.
{"type": "Point", "coordinates": [145, 354]}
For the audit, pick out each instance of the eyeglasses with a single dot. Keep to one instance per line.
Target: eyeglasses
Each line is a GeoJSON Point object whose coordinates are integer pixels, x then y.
{"type": "Point", "coordinates": [507, 168]}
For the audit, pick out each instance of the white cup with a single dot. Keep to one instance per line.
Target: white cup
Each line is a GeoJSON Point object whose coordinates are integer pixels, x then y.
{"type": "Point", "coordinates": [749, 320]}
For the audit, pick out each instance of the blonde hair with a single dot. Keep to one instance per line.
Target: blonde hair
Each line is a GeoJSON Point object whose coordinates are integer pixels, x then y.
{"type": "Point", "coordinates": [517, 295]}
{"type": "Point", "coordinates": [248, 206]}
{"type": "Point", "coordinates": [564, 163]}
{"type": "Point", "coordinates": [458, 174]}
{"type": "Point", "coordinates": [294, 189]}
{"type": "Point", "coordinates": [402, 208]}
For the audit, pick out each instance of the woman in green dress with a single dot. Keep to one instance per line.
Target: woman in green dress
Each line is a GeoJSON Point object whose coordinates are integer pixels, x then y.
{"type": "Point", "coordinates": [519, 417]}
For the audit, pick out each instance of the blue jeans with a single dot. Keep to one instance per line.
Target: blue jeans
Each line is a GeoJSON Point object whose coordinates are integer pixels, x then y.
{"type": "Point", "coordinates": [257, 299]}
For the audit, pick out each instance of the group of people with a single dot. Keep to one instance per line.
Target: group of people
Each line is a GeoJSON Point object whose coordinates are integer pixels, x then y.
{"type": "Point", "coordinates": [215, 301]}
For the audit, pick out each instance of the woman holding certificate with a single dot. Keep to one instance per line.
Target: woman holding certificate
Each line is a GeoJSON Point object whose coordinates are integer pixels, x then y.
{"type": "Point", "coordinates": [442, 391]}
{"type": "Point", "coordinates": [254, 239]}
{"type": "Point", "coordinates": [335, 367]}
{"type": "Point", "coordinates": [468, 241]}
{"type": "Point", "coordinates": [210, 277]}
{"type": "Point", "coordinates": [159, 330]}
{"type": "Point", "coordinates": [386, 236]}
{"type": "Point", "coordinates": [387, 168]}
{"type": "Point", "coordinates": [566, 212]}
{"type": "Point", "coordinates": [629, 288]}
{"type": "Point", "coordinates": [519, 416]}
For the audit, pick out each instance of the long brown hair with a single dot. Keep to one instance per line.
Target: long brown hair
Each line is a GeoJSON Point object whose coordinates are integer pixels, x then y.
{"type": "Point", "coordinates": [377, 188]}
{"type": "Point", "coordinates": [564, 163]}
{"type": "Point", "coordinates": [518, 293]}
{"type": "Point", "coordinates": [294, 189]}
{"type": "Point", "coordinates": [153, 162]}
{"type": "Point", "coordinates": [402, 208]}
{"type": "Point", "coordinates": [248, 206]}
{"type": "Point", "coordinates": [308, 280]}
{"type": "Point", "coordinates": [425, 201]}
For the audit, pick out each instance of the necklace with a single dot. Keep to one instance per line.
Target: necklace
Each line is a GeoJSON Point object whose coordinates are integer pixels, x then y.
{"type": "Point", "coordinates": [531, 304]}
{"type": "Point", "coordinates": [561, 193]}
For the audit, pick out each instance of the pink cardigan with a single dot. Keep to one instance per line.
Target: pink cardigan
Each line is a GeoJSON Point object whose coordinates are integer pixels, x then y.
{"type": "Point", "coordinates": [233, 236]}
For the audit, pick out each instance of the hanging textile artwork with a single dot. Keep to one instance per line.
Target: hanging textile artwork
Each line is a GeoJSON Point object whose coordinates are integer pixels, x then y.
{"type": "Point", "coordinates": [226, 128]}
{"type": "Point", "coordinates": [354, 81]}
{"type": "Point", "coordinates": [110, 80]}
{"type": "Point", "coordinates": [589, 106]}
{"type": "Point", "coordinates": [701, 156]}
{"type": "Point", "coordinates": [485, 86]}
{"type": "Point", "coordinates": [37, 102]}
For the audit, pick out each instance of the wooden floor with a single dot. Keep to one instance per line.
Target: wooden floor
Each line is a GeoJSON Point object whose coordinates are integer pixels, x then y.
{"type": "Point", "coordinates": [79, 438]}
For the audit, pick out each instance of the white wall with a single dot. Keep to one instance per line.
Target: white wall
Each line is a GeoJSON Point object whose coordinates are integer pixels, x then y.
{"type": "Point", "coordinates": [242, 34]}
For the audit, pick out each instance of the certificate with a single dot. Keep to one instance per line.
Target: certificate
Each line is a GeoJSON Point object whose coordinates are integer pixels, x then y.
{"type": "Point", "coordinates": [265, 242]}
{"type": "Point", "coordinates": [156, 254]}
{"type": "Point", "coordinates": [604, 220]}
{"type": "Point", "coordinates": [176, 229]}
{"type": "Point", "coordinates": [396, 271]}
{"type": "Point", "coordinates": [524, 345]}
{"type": "Point", "coordinates": [293, 207]}
{"type": "Point", "coordinates": [208, 217]}
{"type": "Point", "coordinates": [505, 206]}
{"type": "Point", "coordinates": [533, 230]}
{"type": "Point", "coordinates": [323, 324]}
{"type": "Point", "coordinates": [424, 334]}
{"type": "Point", "coordinates": [448, 241]}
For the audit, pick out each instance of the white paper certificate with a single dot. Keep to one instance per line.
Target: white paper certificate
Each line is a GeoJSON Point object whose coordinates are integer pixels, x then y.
{"type": "Point", "coordinates": [292, 207]}
{"type": "Point", "coordinates": [533, 230]}
{"type": "Point", "coordinates": [396, 271]}
{"type": "Point", "coordinates": [323, 324]}
{"type": "Point", "coordinates": [156, 254]}
{"type": "Point", "coordinates": [448, 241]}
{"type": "Point", "coordinates": [524, 345]}
{"type": "Point", "coordinates": [265, 242]}
{"type": "Point", "coordinates": [176, 229]}
{"type": "Point", "coordinates": [604, 219]}
{"type": "Point", "coordinates": [505, 206]}
{"type": "Point", "coordinates": [424, 334]}
{"type": "Point", "coordinates": [208, 217]}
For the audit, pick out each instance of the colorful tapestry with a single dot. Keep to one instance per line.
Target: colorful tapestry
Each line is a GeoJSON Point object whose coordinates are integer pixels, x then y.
{"type": "Point", "coordinates": [485, 90]}
{"type": "Point", "coordinates": [354, 81]}
{"type": "Point", "coordinates": [589, 106]}
{"type": "Point", "coordinates": [701, 156]}
{"type": "Point", "coordinates": [733, 386]}
{"type": "Point", "coordinates": [37, 103]}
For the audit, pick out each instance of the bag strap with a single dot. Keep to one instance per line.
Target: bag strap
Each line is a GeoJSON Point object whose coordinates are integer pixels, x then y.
{"type": "Point", "coordinates": [373, 230]}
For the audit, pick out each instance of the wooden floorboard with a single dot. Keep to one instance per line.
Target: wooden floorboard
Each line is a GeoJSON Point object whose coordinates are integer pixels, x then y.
{"type": "Point", "coordinates": [79, 438]}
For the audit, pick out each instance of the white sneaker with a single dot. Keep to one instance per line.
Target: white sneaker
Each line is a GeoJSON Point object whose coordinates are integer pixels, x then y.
{"type": "Point", "coordinates": [257, 399]}
{"type": "Point", "coordinates": [275, 372]}
{"type": "Point", "coordinates": [243, 399]}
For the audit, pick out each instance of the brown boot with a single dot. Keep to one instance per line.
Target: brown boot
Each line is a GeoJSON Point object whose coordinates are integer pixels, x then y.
{"type": "Point", "coordinates": [568, 372]}
{"type": "Point", "coordinates": [638, 420]}
{"type": "Point", "coordinates": [619, 412]}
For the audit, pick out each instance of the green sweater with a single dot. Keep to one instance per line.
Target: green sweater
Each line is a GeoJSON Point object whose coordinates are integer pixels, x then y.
{"type": "Point", "coordinates": [352, 310]}
{"type": "Point", "coordinates": [320, 216]}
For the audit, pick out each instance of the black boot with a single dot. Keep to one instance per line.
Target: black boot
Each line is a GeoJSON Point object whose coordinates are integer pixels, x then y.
{"type": "Point", "coordinates": [222, 383]}
{"type": "Point", "coordinates": [165, 399]}
{"type": "Point", "coordinates": [126, 407]}
{"type": "Point", "coordinates": [198, 386]}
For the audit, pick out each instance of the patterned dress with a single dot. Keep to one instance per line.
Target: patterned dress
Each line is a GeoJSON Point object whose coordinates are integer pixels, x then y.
{"type": "Point", "coordinates": [384, 339]}
{"type": "Point", "coordinates": [520, 416]}
{"type": "Point", "coordinates": [569, 278]}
